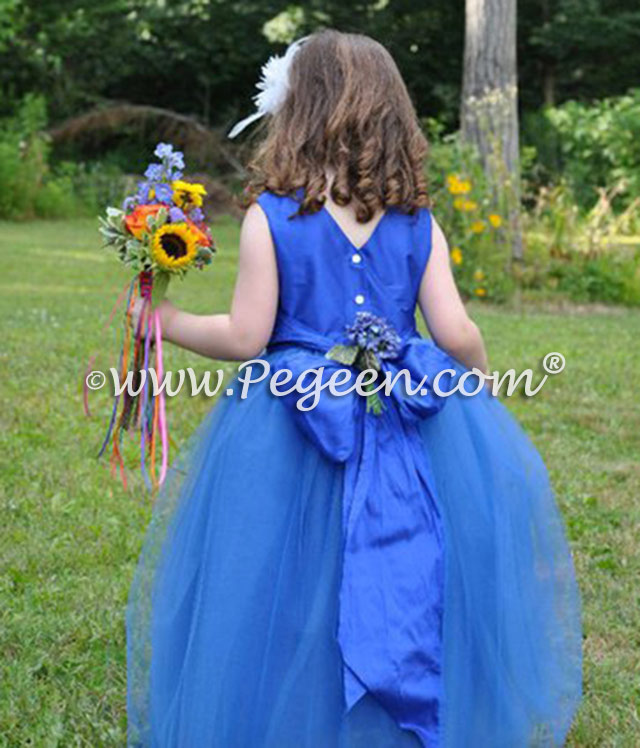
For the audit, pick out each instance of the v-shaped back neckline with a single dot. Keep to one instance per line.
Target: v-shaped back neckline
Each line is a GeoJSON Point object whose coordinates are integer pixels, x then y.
{"type": "Point", "coordinates": [345, 236]}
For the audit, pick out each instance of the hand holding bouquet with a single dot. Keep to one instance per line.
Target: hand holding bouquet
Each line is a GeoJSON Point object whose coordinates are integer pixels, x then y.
{"type": "Point", "coordinates": [159, 232]}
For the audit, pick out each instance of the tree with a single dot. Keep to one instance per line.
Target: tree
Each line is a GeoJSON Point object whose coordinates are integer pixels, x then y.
{"type": "Point", "coordinates": [489, 115]}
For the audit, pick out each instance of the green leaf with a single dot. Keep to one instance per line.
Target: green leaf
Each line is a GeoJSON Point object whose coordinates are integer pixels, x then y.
{"type": "Point", "coordinates": [343, 354]}
{"type": "Point", "coordinates": [161, 217]}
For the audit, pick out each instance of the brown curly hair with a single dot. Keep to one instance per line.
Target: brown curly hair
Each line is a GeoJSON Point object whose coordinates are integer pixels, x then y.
{"type": "Point", "coordinates": [347, 111]}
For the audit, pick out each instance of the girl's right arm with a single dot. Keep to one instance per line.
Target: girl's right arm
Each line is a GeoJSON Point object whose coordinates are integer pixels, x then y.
{"type": "Point", "coordinates": [244, 332]}
{"type": "Point", "coordinates": [443, 310]}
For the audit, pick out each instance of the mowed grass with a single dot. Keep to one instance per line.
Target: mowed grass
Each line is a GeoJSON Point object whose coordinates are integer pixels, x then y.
{"type": "Point", "coordinates": [70, 536]}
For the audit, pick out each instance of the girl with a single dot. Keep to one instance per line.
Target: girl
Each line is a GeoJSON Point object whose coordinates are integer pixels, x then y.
{"type": "Point", "coordinates": [387, 571]}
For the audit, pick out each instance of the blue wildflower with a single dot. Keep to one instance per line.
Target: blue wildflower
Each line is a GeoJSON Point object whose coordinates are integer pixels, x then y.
{"type": "Point", "coordinates": [163, 193]}
{"type": "Point", "coordinates": [197, 215]}
{"type": "Point", "coordinates": [143, 193]}
{"type": "Point", "coordinates": [176, 161]}
{"type": "Point", "coordinates": [154, 172]}
{"type": "Point", "coordinates": [128, 204]}
{"type": "Point", "coordinates": [176, 215]}
{"type": "Point", "coordinates": [173, 160]}
{"type": "Point", "coordinates": [163, 150]}
{"type": "Point", "coordinates": [375, 334]}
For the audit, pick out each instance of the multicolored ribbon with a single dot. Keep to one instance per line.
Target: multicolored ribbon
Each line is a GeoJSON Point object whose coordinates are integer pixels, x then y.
{"type": "Point", "coordinates": [140, 404]}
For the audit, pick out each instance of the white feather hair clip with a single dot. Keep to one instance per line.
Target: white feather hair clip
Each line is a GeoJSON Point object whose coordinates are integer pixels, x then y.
{"type": "Point", "coordinates": [273, 86]}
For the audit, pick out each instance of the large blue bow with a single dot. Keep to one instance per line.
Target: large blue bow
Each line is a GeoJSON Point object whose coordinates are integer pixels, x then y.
{"type": "Point", "coordinates": [392, 589]}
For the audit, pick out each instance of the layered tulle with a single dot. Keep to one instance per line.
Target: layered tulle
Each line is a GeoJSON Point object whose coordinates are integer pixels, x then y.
{"type": "Point", "coordinates": [232, 615]}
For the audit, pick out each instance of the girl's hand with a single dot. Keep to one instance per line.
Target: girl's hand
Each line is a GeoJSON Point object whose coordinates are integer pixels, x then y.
{"type": "Point", "coordinates": [166, 310]}
{"type": "Point", "coordinates": [136, 313]}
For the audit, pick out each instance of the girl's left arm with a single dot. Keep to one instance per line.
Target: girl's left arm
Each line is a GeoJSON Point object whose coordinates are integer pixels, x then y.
{"type": "Point", "coordinates": [244, 332]}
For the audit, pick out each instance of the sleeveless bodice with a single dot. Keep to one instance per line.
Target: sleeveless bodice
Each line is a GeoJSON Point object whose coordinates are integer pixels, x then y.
{"type": "Point", "coordinates": [325, 280]}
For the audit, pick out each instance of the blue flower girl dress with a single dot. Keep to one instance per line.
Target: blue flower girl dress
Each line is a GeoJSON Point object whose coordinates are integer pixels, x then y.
{"type": "Point", "coordinates": [337, 578]}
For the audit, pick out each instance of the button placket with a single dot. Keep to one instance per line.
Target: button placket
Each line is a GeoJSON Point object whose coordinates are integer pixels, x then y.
{"type": "Point", "coordinates": [358, 263]}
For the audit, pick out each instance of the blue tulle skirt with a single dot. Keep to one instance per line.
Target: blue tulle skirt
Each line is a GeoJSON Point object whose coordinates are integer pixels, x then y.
{"type": "Point", "coordinates": [233, 608]}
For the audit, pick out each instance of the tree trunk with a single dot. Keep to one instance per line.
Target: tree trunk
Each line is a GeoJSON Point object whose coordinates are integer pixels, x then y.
{"type": "Point", "coordinates": [548, 67]}
{"type": "Point", "coordinates": [490, 102]}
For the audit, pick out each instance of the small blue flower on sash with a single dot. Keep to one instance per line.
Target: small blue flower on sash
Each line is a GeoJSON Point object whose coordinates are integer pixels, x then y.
{"type": "Point", "coordinates": [371, 339]}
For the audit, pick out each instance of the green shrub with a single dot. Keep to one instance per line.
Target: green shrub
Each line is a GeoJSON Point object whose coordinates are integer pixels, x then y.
{"type": "Point", "coordinates": [33, 188]}
{"type": "Point", "coordinates": [595, 145]}
{"type": "Point", "coordinates": [23, 159]}
{"type": "Point", "coordinates": [608, 278]}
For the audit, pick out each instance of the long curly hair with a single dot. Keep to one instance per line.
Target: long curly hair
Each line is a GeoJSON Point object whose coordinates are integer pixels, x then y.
{"type": "Point", "coordinates": [347, 113]}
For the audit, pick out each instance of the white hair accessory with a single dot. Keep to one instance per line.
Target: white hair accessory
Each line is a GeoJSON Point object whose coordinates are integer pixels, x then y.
{"type": "Point", "coordinates": [273, 86]}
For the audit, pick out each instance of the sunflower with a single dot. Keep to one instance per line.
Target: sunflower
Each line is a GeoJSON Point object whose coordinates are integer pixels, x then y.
{"type": "Point", "coordinates": [187, 195]}
{"type": "Point", "coordinates": [174, 246]}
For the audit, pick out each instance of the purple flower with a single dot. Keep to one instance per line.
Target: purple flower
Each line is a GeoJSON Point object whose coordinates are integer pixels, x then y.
{"type": "Point", "coordinates": [374, 334]}
{"type": "Point", "coordinates": [197, 215]}
{"type": "Point", "coordinates": [176, 215]}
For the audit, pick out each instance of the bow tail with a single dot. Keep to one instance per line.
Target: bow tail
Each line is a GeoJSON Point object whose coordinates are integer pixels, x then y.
{"type": "Point", "coordinates": [392, 589]}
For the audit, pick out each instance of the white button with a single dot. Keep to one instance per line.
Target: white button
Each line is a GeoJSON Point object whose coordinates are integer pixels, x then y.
{"type": "Point", "coordinates": [356, 258]}
{"type": "Point", "coordinates": [359, 299]}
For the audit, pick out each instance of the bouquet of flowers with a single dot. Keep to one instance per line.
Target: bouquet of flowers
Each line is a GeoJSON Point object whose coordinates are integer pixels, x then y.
{"type": "Point", "coordinates": [159, 232]}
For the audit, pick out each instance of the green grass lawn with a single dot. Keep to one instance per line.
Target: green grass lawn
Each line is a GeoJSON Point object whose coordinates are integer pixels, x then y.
{"type": "Point", "coordinates": [71, 536]}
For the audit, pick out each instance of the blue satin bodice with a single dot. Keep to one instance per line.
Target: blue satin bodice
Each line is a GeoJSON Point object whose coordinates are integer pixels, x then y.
{"type": "Point", "coordinates": [325, 280]}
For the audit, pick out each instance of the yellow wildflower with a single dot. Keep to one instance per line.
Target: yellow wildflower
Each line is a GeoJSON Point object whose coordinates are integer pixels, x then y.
{"type": "Point", "coordinates": [495, 220]}
{"type": "Point", "coordinates": [456, 256]}
{"type": "Point", "coordinates": [477, 227]}
{"type": "Point", "coordinates": [187, 195]}
{"type": "Point", "coordinates": [458, 203]}
{"type": "Point", "coordinates": [469, 205]}
{"type": "Point", "coordinates": [458, 186]}
{"type": "Point", "coordinates": [478, 275]}
{"type": "Point", "coordinates": [480, 292]}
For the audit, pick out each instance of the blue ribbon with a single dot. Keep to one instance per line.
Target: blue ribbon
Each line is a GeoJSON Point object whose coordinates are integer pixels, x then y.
{"type": "Point", "coordinates": [392, 587]}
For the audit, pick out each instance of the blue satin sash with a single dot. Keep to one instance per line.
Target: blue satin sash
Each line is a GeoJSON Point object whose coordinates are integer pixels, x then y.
{"type": "Point", "coordinates": [392, 588]}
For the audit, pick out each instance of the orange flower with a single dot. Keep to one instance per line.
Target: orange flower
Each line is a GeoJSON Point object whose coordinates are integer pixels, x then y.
{"type": "Point", "coordinates": [136, 221]}
{"type": "Point", "coordinates": [202, 237]}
